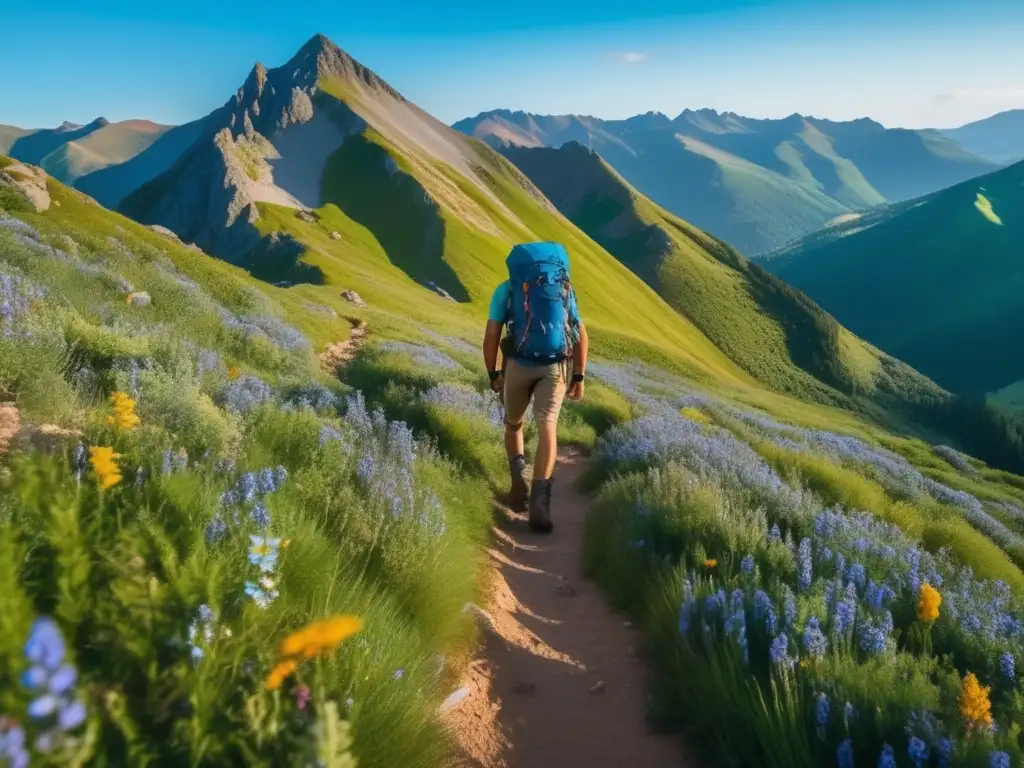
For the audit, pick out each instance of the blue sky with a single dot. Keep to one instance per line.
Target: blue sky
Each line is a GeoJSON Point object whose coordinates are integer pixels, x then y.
{"type": "Point", "coordinates": [910, 63]}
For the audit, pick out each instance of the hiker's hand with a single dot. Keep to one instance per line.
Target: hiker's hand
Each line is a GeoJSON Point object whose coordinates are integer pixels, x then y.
{"type": "Point", "coordinates": [576, 391]}
{"type": "Point", "coordinates": [498, 384]}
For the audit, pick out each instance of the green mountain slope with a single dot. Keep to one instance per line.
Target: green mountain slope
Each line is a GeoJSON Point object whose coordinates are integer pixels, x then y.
{"type": "Point", "coordinates": [936, 282]}
{"type": "Point", "coordinates": [755, 183]}
{"type": "Point", "coordinates": [999, 138]}
{"type": "Point", "coordinates": [775, 333]}
{"type": "Point", "coordinates": [382, 161]}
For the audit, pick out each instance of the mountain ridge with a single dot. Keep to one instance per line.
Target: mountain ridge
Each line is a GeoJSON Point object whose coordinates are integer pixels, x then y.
{"type": "Point", "coordinates": [756, 183]}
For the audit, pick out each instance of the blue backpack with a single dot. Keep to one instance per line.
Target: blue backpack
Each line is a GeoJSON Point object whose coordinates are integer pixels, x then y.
{"type": "Point", "coordinates": [540, 327]}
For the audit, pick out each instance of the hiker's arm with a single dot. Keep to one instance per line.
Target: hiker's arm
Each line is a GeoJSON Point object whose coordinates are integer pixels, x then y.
{"type": "Point", "coordinates": [579, 353]}
{"type": "Point", "coordinates": [492, 339]}
{"type": "Point", "coordinates": [579, 363]}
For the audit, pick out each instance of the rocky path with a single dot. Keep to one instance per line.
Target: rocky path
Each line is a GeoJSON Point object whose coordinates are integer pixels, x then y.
{"type": "Point", "coordinates": [557, 683]}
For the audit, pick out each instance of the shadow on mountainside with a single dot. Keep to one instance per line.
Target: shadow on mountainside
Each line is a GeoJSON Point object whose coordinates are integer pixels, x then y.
{"type": "Point", "coordinates": [365, 182]}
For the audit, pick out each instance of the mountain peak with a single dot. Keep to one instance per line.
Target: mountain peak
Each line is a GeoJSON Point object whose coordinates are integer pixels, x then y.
{"type": "Point", "coordinates": [321, 59]}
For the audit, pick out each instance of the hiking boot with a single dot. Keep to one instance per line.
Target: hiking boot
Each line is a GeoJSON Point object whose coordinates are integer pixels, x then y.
{"type": "Point", "coordinates": [519, 495]}
{"type": "Point", "coordinates": [540, 507]}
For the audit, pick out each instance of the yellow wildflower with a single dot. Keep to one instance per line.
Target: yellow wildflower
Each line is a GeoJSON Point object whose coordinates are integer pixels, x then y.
{"type": "Point", "coordinates": [695, 414]}
{"type": "Point", "coordinates": [233, 373]}
{"type": "Point", "coordinates": [974, 704]}
{"type": "Point", "coordinates": [124, 412]}
{"type": "Point", "coordinates": [281, 672]}
{"type": "Point", "coordinates": [104, 462]}
{"type": "Point", "coordinates": [320, 636]}
{"type": "Point", "coordinates": [710, 563]}
{"type": "Point", "coordinates": [928, 603]}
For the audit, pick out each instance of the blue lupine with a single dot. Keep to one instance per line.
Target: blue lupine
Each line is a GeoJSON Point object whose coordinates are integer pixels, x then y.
{"type": "Point", "coordinates": [821, 711]}
{"type": "Point", "coordinates": [888, 758]}
{"type": "Point", "coordinates": [51, 679]}
{"type": "Point", "coordinates": [329, 434]}
{"type": "Point", "coordinates": [844, 616]}
{"type": "Point", "coordinates": [815, 642]}
{"type": "Point", "coordinates": [873, 637]}
{"type": "Point", "coordinates": [465, 401]}
{"type": "Point", "coordinates": [945, 750]}
{"type": "Point", "coordinates": [774, 534]}
{"type": "Point", "coordinates": [747, 565]}
{"type": "Point", "coordinates": [244, 394]}
{"type": "Point", "coordinates": [917, 750]}
{"type": "Point", "coordinates": [844, 755]}
{"type": "Point", "coordinates": [12, 747]}
{"type": "Point", "coordinates": [998, 760]}
{"type": "Point", "coordinates": [260, 515]}
{"type": "Point", "coordinates": [855, 573]}
{"type": "Point", "coordinates": [779, 652]}
{"type": "Point", "coordinates": [764, 610]}
{"type": "Point", "coordinates": [216, 529]}
{"type": "Point", "coordinates": [789, 607]}
{"type": "Point", "coordinates": [421, 354]}
{"type": "Point", "coordinates": [879, 595]}
{"type": "Point", "coordinates": [805, 572]}
{"type": "Point", "coordinates": [1007, 665]}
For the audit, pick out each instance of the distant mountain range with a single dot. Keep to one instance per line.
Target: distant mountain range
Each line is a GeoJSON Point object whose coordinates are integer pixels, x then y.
{"type": "Point", "coordinates": [757, 184]}
{"type": "Point", "coordinates": [71, 152]}
{"type": "Point", "coordinates": [937, 281]}
{"type": "Point", "coordinates": [318, 171]}
{"type": "Point", "coordinates": [999, 138]}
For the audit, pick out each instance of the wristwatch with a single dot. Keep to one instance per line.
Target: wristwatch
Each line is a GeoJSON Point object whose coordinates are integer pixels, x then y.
{"type": "Point", "coordinates": [577, 378]}
{"type": "Point", "coordinates": [493, 375]}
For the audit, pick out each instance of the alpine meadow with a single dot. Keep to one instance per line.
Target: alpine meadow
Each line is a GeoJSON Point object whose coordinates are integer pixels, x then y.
{"type": "Point", "coordinates": [253, 475]}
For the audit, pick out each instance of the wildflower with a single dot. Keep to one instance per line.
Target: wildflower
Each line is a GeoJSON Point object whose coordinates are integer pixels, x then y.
{"type": "Point", "coordinates": [263, 593]}
{"type": "Point", "coordinates": [805, 572]}
{"type": "Point", "coordinates": [928, 603]}
{"type": "Point", "coordinates": [263, 552]}
{"type": "Point", "coordinates": [281, 672]}
{"type": "Point", "coordinates": [764, 610]}
{"type": "Point", "coordinates": [878, 595]}
{"type": "Point", "coordinates": [302, 697]}
{"type": "Point", "coordinates": [888, 758]}
{"type": "Point", "coordinates": [233, 373]}
{"type": "Point", "coordinates": [974, 703]}
{"type": "Point", "coordinates": [789, 608]}
{"type": "Point", "coordinates": [52, 679]}
{"type": "Point", "coordinates": [774, 534]}
{"type": "Point", "coordinates": [216, 530]}
{"type": "Point", "coordinates": [320, 636]}
{"type": "Point", "coordinates": [398, 674]}
{"type": "Point", "coordinates": [747, 565]}
{"type": "Point", "coordinates": [998, 760]}
{"type": "Point", "coordinates": [844, 755]}
{"type": "Point", "coordinates": [821, 708]}
{"type": "Point", "coordinates": [203, 624]}
{"type": "Point", "coordinates": [856, 574]}
{"type": "Point", "coordinates": [815, 642]}
{"type": "Point", "coordinates": [124, 412]}
{"type": "Point", "coordinates": [104, 462]}
{"type": "Point", "coordinates": [1007, 665]}
{"type": "Point", "coordinates": [844, 616]}
{"type": "Point", "coordinates": [874, 636]}
{"type": "Point", "coordinates": [779, 652]}
{"type": "Point", "coordinates": [917, 751]}
{"type": "Point", "coordinates": [945, 750]}
{"type": "Point", "coordinates": [12, 744]}
{"type": "Point", "coordinates": [710, 563]}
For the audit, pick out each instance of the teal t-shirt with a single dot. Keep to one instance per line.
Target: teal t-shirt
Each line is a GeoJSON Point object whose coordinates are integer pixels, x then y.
{"type": "Point", "coordinates": [499, 305]}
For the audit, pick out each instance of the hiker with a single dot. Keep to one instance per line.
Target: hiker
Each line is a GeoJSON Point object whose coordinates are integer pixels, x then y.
{"type": "Point", "coordinates": [545, 336]}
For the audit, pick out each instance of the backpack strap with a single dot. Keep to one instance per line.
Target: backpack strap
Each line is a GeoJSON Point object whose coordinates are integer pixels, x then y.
{"type": "Point", "coordinates": [529, 317]}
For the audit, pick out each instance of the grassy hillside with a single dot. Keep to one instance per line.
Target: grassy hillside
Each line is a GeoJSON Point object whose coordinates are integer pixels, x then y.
{"type": "Point", "coordinates": [773, 332]}
{"type": "Point", "coordinates": [756, 184]}
{"type": "Point", "coordinates": [935, 282]}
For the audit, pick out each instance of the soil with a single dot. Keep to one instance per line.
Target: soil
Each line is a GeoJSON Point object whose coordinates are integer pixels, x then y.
{"type": "Point", "coordinates": [557, 683]}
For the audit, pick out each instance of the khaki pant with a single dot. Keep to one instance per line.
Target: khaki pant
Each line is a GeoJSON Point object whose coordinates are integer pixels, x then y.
{"type": "Point", "coordinates": [546, 384]}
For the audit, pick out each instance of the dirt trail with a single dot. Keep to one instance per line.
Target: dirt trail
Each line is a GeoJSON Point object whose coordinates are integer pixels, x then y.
{"type": "Point", "coordinates": [557, 683]}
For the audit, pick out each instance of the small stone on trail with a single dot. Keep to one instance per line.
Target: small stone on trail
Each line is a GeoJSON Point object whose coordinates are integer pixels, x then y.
{"type": "Point", "coordinates": [524, 688]}
{"type": "Point", "coordinates": [599, 687]}
{"type": "Point", "coordinates": [139, 299]}
{"type": "Point", "coordinates": [627, 623]}
{"type": "Point", "coordinates": [568, 590]}
{"type": "Point", "coordinates": [335, 235]}
{"type": "Point", "coordinates": [353, 298]}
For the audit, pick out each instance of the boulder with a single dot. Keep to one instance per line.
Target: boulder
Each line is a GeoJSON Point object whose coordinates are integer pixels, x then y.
{"type": "Point", "coordinates": [29, 181]}
{"type": "Point", "coordinates": [353, 298]}
{"type": "Point", "coordinates": [139, 299]}
{"type": "Point", "coordinates": [335, 235]}
{"type": "Point", "coordinates": [307, 216]}
{"type": "Point", "coordinates": [164, 231]}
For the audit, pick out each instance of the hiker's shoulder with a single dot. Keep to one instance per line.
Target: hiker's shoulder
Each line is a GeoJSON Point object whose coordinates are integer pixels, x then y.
{"type": "Point", "coordinates": [502, 289]}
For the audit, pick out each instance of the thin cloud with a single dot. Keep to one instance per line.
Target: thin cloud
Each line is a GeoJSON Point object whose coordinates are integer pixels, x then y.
{"type": "Point", "coordinates": [943, 98]}
{"type": "Point", "coordinates": [632, 57]}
